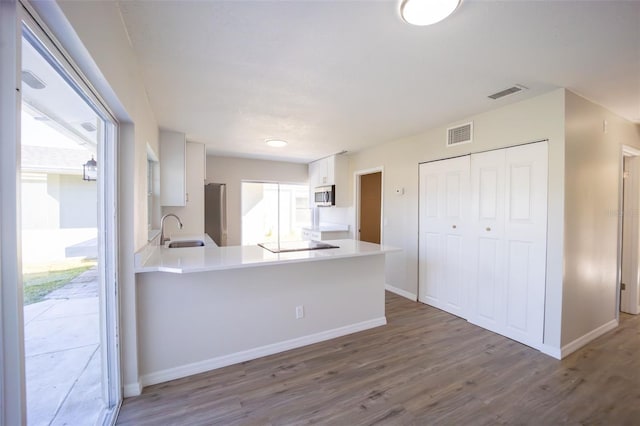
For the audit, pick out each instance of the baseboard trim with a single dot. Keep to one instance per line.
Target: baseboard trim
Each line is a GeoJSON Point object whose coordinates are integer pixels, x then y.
{"type": "Point", "coordinates": [401, 292]}
{"type": "Point", "coordinates": [132, 389]}
{"type": "Point", "coordinates": [551, 351]}
{"type": "Point", "coordinates": [590, 336]}
{"type": "Point", "coordinates": [235, 358]}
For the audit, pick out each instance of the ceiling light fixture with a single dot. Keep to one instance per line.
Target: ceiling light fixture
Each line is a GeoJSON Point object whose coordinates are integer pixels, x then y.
{"type": "Point", "coordinates": [276, 143]}
{"type": "Point", "coordinates": [32, 80]}
{"type": "Point", "coordinates": [427, 12]}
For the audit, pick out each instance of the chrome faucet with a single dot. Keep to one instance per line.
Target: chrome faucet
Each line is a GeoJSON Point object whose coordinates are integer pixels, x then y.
{"type": "Point", "coordinates": [162, 238]}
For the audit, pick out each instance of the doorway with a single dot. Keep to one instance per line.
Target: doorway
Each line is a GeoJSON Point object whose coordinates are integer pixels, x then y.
{"type": "Point", "coordinates": [274, 212]}
{"type": "Point", "coordinates": [369, 202]}
{"type": "Point", "coordinates": [629, 283]}
{"type": "Point", "coordinates": [66, 202]}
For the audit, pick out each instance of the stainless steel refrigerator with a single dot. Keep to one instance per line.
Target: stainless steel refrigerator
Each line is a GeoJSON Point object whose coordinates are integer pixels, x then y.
{"type": "Point", "coordinates": [215, 212]}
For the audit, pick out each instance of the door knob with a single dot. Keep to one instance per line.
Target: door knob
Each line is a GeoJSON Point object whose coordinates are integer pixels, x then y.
{"type": "Point", "coordinates": [454, 226]}
{"type": "Point", "coordinates": [488, 229]}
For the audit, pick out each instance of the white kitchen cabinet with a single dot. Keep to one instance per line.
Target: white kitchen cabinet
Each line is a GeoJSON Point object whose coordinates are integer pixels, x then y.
{"type": "Point", "coordinates": [192, 212]}
{"type": "Point", "coordinates": [333, 170]}
{"type": "Point", "coordinates": [329, 171]}
{"type": "Point", "coordinates": [482, 239]}
{"type": "Point", "coordinates": [173, 156]}
{"type": "Point", "coordinates": [319, 235]}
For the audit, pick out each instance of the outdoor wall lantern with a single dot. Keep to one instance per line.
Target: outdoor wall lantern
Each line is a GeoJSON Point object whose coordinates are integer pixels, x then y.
{"type": "Point", "coordinates": [90, 170]}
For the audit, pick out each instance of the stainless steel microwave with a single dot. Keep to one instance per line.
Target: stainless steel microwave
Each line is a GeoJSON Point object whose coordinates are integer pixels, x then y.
{"type": "Point", "coordinates": [325, 196]}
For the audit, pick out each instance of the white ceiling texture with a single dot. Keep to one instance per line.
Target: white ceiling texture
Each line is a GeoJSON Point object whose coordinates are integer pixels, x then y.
{"type": "Point", "coordinates": [341, 75]}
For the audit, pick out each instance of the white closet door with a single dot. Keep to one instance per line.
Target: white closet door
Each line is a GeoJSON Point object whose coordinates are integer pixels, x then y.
{"type": "Point", "coordinates": [526, 241]}
{"type": "Point", "coordinates": [509, 220]}
{"type": "Point", "coordinates": [444, 223]}
{"type": "Point", "coordinates": [487, 235]}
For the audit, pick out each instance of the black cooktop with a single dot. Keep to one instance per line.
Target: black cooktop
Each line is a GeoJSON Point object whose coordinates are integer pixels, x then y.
{"type": "Point", "coordinates": [296, 246]}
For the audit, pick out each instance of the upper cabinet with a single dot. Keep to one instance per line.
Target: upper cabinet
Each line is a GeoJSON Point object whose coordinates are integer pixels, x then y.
{"type": "Point", "coordinates": [333, 170]}
{"type": "Point", "coordinates": [173, 178]}
{"type": "Point", "coordinates": [191, 212]}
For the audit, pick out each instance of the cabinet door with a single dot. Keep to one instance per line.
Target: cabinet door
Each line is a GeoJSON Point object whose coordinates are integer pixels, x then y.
{"type": "Point", "coordinates": [314, 175]}
{"type": "Point", "coordinates": [172, 169]}
{"type": "Point", "coordinates": [443, 228]}
{"type": "Point", "coordinates": [330, 170]}
{"type": "Point", "coordinates": [194, 211]}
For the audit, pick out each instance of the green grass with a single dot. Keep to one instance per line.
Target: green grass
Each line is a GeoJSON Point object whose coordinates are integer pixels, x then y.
{"type": "Point", "coordinates": [37, 285]}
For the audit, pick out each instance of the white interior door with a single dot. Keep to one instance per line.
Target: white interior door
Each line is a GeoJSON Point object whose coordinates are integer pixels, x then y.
{"type": "Point", "coordinates": [509, 231]}
{"type": "Point", "coordinates": [444, 222]}
{"type": "Point", "coordinates": [487, 234]}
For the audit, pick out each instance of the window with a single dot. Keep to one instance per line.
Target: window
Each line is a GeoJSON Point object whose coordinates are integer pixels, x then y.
{"type": "Point", "coordinates": [273, 212]}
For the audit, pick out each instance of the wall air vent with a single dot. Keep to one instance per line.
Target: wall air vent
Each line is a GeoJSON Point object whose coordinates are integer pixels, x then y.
{"type": "Point", "coordinates": [506, 92]}
{"type": "Point", "coordinates": [460, 134]}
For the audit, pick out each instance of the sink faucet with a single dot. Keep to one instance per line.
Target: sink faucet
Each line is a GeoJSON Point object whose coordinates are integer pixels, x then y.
{"type": "Point", "coordinates": [162, 238]}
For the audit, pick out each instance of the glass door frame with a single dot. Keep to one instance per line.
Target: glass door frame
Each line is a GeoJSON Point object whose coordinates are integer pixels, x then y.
{"type": "Point", "coordinates": [14, 15]}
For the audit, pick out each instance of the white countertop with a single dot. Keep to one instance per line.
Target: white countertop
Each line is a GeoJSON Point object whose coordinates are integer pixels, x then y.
{"type": "Point", "coordinates": [213, 258]}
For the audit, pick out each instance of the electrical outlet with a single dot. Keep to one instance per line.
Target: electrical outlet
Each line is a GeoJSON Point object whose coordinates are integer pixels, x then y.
{"type": "Point", "coordinates": [299, 311]}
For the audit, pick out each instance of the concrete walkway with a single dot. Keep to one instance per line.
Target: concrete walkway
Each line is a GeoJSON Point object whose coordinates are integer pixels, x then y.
{"type": "Point", "coordinates": [62, 351]}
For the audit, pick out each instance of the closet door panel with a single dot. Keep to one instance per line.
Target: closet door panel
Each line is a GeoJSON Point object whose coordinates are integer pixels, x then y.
{"type": "Point", "coordinates": [453, 295]}
{"type": "Point", "coordinates": [487, 233]}
{"type": "Point", "coordinates": [526, 241]}
{"type": "Point", "coordinates": [518, 285]}
{"type": "Point", "coordinates": [444, 211]}
{"type": "Point", "coordinates": [486, 291]}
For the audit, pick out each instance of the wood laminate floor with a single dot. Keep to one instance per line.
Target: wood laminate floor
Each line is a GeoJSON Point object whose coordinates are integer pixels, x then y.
{"type": "Point", "coordinates": [425, 367]}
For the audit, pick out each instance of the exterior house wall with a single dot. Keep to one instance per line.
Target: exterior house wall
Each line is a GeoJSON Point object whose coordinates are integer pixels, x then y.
{"type": "Point", "coordinates": [58, 217]}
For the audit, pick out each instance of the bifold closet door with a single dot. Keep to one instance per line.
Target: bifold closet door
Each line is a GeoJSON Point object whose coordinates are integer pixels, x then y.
{"type": "Point", "coordinates": [508, 237]}
{"type": "Point", "coordinates": [443, 226]}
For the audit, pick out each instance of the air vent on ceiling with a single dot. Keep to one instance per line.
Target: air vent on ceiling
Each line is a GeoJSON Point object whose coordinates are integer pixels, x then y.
{"type": "Point", "coordinates": [32, 80]}
{"type": "Point", "coordinates": [506, 92]}
{"type": "Point", "coordinates": [460, 134]}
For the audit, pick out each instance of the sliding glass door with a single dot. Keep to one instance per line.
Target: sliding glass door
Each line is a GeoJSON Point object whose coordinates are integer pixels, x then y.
{"type": "Point", "coordinates": [274, 212]}
{"type": "Point", "coordinates": [59, 261]}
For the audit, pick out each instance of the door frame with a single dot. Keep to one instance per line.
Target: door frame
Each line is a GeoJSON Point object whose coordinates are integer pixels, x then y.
{"type": "Point", "coordinates": [356, 183]}
{"type": "Point", "coordinates": [13, 408]}
{"type": "Point", "coordinates": [627, 152]}
{"type": "Point", "coordinates": [12, 375]}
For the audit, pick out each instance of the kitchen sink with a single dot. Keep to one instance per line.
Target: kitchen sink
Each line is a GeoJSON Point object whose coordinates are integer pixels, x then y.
{"type": "Point", "coordinates": [186, 243]}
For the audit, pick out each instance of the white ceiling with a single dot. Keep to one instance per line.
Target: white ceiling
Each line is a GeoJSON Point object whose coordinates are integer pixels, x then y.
{"type": "Point", "coordinates": [343, 75]}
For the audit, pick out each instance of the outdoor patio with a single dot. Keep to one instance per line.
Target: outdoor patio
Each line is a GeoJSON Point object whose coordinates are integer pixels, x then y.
{"type": "Point", "coordinates": [62, 343]}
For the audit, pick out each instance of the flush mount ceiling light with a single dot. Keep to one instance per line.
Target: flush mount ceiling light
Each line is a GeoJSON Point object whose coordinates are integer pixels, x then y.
{"type": "Point", "coordinates": [32, 80]}
{"type": "Point", "coordinates": [427, 12]}
{"type": "Point", "coordinates": [276, 143]}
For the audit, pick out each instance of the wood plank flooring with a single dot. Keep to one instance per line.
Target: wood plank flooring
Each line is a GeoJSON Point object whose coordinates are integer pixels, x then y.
{"type": "Point", "coordinates": [426, 367]}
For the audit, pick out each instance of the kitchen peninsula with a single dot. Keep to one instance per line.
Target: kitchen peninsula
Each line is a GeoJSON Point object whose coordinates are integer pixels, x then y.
{"type": "Point", "coordinates": [201, 308]}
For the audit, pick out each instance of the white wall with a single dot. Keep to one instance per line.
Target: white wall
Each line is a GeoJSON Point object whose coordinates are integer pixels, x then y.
{"type": "Point", "coordinates": [199, 321]}
{"type": "Point", "coordinates": [233, 171]}
{"type": "Point", "coordinates": [592, 176]}
{"type": "Point", "coordinates": [534, 119]}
